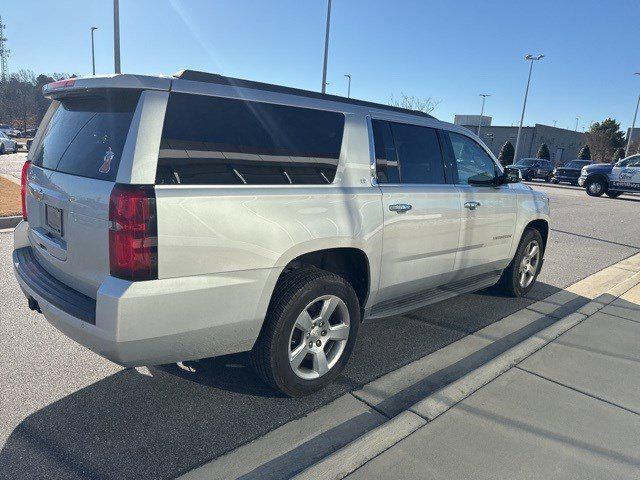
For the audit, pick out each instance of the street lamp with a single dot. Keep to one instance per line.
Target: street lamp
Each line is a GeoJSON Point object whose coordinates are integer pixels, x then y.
{"type": "Point", "coordinates": [531, 59]}
{"type": "Point", "coordinates": [116, 36]}
{"type": "Point", "coordinates": [633, 125]}
{"type": "Point", "coordinates": [577, 120]}
{"type": "Point", "coordinates": [93, 53]}
{"type": "Point", "coordinates": [348, 85]}
{"type": "Point", "coordinates": [326, 48]}
{"type": "Point", "coordinates": [484, 97]}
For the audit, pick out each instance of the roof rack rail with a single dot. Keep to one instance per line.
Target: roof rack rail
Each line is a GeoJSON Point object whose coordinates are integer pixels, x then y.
{"type": "Point", "coordinates": [205, 77]}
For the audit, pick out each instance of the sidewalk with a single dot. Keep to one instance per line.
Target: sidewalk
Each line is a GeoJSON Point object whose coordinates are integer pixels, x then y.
{"type": "Point", "coordinates": [570, 410]}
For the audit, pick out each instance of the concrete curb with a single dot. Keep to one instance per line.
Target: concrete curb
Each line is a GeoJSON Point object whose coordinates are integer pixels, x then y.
{"type": "Point", "coordinates": [351, 457]}
{"type": "Point", "coordinates": [9, 222]}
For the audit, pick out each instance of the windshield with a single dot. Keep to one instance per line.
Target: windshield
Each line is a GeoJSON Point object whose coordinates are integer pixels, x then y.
{"type": "Point", "coordinates": [629, 161]}
{"type": "Point", "coordinates": [86, 135]}
{"type": "Point", "coordinates": [526, 162]}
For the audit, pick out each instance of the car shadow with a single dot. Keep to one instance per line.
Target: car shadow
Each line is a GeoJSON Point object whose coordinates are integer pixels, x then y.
{"type": "Point", "coordinates": [161, 421]}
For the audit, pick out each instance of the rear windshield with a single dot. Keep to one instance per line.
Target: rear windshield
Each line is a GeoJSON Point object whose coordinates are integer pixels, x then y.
{"type": "Point", "coordinates": [221, 141]}
{"type": "Point", "coordinates": [86, 135]}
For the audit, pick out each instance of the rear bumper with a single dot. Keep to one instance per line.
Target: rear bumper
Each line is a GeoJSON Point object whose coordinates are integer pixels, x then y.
{"type": "Point", "coordinates": [153, 322]}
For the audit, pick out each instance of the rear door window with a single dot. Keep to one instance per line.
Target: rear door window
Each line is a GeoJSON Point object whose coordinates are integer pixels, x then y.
{"type": "Point", "coordinates": [86, 135]}
{"type": "Point", "coordinates": [221, 141]}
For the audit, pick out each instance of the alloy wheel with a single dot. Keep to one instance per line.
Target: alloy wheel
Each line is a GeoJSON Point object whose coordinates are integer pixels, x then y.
{"type": "Point", "coordinates": [529, 264]}
{"type": "Point", "coordinates": [318, 337]}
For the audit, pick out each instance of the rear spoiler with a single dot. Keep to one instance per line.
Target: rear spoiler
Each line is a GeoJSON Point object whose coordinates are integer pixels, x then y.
{"type": "Point", "coordinates": [75, 86]}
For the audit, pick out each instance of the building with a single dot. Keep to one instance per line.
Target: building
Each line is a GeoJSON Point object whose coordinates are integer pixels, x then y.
{"type": "Point", "coordinates": [564, 145]}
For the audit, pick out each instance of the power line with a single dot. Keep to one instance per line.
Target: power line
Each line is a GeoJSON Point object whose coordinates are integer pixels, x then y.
{"type": "Point", "coordinates": [4, 53]}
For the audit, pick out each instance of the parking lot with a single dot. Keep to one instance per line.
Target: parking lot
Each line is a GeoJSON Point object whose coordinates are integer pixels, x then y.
{"type": "Point", "coordinates": [67, 413]}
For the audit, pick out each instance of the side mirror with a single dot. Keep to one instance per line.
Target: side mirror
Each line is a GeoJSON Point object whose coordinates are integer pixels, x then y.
{"type": "Point", "coordinates": [483, 180]}
{"type": "Point", "coordinates": [511, 175]}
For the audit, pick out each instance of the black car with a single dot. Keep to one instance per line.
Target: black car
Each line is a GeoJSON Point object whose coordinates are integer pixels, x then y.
{"type": "Point", "coordinates": [569, 172]}
{"type": "Point", "coordinates": [531, 168]}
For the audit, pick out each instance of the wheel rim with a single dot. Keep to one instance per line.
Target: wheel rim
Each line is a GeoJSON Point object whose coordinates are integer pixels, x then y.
{"type": "Point", "coordinates": [529, 264]}
{"type": "Point", "coordinates": [595, 187]}
{"type": "Point", "coordinates": [318, 337]}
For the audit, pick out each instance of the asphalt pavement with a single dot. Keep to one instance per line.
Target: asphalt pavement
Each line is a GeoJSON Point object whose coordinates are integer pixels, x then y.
{"type": "Point", "coordinates": [68, 413]}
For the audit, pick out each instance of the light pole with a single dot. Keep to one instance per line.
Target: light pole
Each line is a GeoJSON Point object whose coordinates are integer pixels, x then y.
{"type": "Point", "coordinates": [93, 52]}
{"type": "Point", "coordinates": [348, 85]}
{"type": "Point", "coordinates": [530, 58]}
{"type": "Point", "coordinates": [577, 120]}
{"type": "Point", "coordinates": [116, 36]}
{"type": "Point", "coordinates": [484, 97]}
{"type": "Point", "coordinates": [326, 48]}
{"type": "Point", "coordinates": [633, 125]}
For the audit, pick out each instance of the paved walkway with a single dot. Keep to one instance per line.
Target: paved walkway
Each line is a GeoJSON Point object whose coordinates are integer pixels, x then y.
{"type": "Point", "coordinates": [571, 410]}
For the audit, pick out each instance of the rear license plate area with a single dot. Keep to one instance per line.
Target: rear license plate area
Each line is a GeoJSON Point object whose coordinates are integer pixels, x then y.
{"type": "Point", "coordinates": [53, 218]}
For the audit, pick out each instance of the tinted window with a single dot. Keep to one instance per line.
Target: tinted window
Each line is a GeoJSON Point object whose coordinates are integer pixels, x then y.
{"type": "Point", "coordinates": [208, 140]}
{"type": "Point", "coordinates": [472, 160]}
{"type": "Point", "coordinates": [418, 152]}
{"type": "Point", "coordinates": [86, 135]}
{"type": "Point", "coordinates": [386, 160]}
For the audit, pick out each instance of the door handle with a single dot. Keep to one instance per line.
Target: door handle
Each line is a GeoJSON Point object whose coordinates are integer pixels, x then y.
{"type": "Point", "coordinates": [400, 207]}
{"type": "Point", "coordinates": [472, 205]}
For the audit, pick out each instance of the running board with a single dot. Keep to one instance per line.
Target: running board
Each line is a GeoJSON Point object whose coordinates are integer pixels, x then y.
{"type": "Point", "coordinates": [421, 299]}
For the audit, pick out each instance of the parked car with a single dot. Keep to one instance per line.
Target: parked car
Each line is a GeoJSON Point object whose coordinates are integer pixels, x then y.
{"type": "Point", "coordinates": [612, 179]}
{"type": "Point", "coordinates": [217, 215]}
{"type": "Point", "coordinates": [569, 172]}
{"type": "Point", "coordinates": [7, 144]}
{"type": "Point", "coordinates": [531, 168]}
{"type": "Point", "coordinates": [9, 130]}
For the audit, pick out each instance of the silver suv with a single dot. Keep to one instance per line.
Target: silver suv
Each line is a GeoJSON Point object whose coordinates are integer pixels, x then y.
{"type": "Point", "coordinates": [184, 217]}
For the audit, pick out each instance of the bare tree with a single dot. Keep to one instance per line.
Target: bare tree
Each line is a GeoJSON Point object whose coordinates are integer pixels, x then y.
{"type": "Point", "coordinates": [412, 102]}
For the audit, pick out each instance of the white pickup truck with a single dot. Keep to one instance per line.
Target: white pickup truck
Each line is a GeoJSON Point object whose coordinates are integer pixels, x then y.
{"type": "Point", "coordinates": [183, 217]}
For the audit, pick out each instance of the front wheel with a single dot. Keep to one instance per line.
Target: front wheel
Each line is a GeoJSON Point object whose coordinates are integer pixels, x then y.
{"type": "Point", "coordinates": [519, 277]}
{"type": "Point", "coordinates": [309, 332]}
{"type": "Point", "coordinates": [549, 178]}
{"type": "Point", "coordinates": [15, 148]}
{"type": "Point", "coordinates": [613, 194]}
{"type": "Point", "coordinates": [596, 187]}
{"type": "Point", "coordinates": [1, 148]}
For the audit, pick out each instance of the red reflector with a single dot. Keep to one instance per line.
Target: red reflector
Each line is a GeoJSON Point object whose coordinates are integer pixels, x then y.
{"type": "Point", "coordinates": [133, 234]}
{"type": "Point", "coordinates": [23, 188]}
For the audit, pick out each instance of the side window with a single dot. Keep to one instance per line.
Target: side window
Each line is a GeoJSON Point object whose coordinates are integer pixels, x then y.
{"type": "Point", "coordinates": [471, 159]}
{"type": "Point", "coordinates": [221, 141]}
{"type": "Point", "coordinates": [386, 160]}
{"type": "Point", "coordinates": [419, 154]}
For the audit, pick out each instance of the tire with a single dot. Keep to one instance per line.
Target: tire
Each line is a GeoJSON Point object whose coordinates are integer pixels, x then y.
{"type": "Point", "coordinates": [549, 178]}
{"type": "Point", "coordinates": [555, 181]}
{"type": "Point", "coordinates": [527, 177]}
{"type": "Point", "coordinates": [510, 282]}
{"type": "Point", "coordinates": [306, 289]}
{"type": "Point", "coordinates": [1, 148]}
{"type": "Point", "coordinates": [15, 148]}
{"type": "Point", "coordinates": [595, 187]}
{"type": "Point", "coordinates": [613, 194]}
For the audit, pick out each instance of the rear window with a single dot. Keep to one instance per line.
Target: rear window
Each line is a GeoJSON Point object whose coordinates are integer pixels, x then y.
{"type": "Point", "coordinates": [86, 135]}
{"type": "Point", "coordinates": [221, 141]}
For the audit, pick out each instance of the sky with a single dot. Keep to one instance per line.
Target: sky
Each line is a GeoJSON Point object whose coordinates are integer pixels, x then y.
{"type": "Point", "coordinates": [448, 50]}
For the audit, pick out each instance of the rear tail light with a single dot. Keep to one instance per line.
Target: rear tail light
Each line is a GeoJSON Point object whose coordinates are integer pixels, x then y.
{"type": "Point", "coordinates": [23, 188]}
{"type": "Point", "coordinates": [133, 232]}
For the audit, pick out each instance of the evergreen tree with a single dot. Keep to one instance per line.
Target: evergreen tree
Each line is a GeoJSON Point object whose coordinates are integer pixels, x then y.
{"type": "Point", "coordinates": [543, 152]}
{"type": "Point", "coordinates": [506, 154]}
{"type": "Point", "coordinates": [619, 154]}
{"type": "Point", "coordinates": [585, 153]}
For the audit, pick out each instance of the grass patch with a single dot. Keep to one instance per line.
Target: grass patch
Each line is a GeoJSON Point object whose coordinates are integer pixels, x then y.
{"type": "Point", "coordinates": [10, 202]}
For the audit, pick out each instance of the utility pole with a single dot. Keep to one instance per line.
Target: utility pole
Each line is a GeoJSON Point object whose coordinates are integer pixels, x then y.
{"type": "Point", "coordinates": [348, 86]}
{"type": "Point", "coordinates": [326, 48]}
{"type": "Point", "coordinates": [484, 97]}
{"type": "Point", "coordinates": [4, 53]}
{"type": "Point", "coordinates": [93, 52]}
{"type": "Point", "coordinates": [116, 36]}
{"type": "Point", "coordinates": [531, 59]}
{"type": "Point", "coordinates": [633, 125]}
